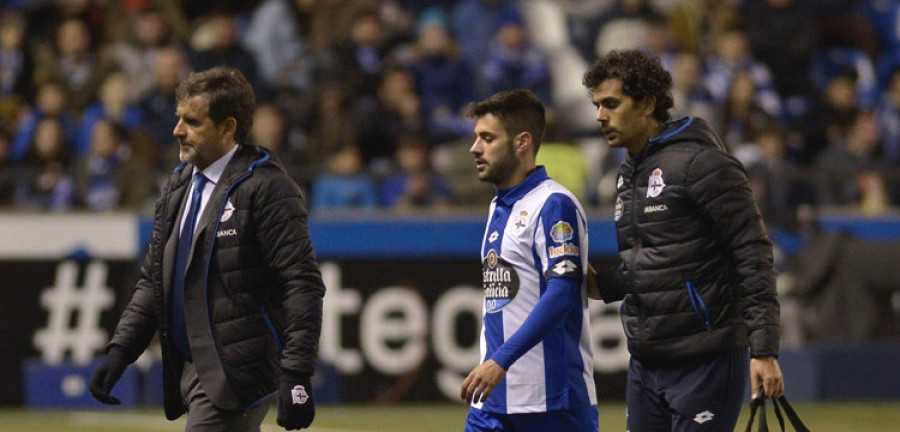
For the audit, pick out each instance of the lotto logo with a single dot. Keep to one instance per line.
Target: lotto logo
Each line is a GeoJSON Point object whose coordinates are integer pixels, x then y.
{"type": "Point", "coordinates": [704, 417]}
{"type": "Point", "coordinates": [563, 267]}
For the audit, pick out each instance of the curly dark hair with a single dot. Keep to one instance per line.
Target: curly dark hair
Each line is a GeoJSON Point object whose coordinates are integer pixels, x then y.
{"type": "Point", "coordinates": [229, 94]}
{"type": "Point", "coordinates": [642, 76]}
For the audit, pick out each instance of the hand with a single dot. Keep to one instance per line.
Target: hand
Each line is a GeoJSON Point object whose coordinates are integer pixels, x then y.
{"type": "Point", "coordinates": [481, 382]}
{"type": "Point", "coordinates": [106, 375]}
{"type": "Point", "coordinates": [295, 401]}
{"type": "Point", "coordinates": [593, 289]}
{"type": "Point", "coordinates": [767, 371]}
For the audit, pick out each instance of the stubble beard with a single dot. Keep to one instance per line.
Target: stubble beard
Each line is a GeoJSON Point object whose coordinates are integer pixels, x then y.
{"type": "Point", "coordinates": [193, 157]}
{"type": "Point", "coordinates": [187, 156]}
{"type": "Point", "coordinates": [501, 170]}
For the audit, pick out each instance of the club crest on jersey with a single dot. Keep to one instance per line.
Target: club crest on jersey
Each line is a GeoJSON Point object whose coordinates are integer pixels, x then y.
{"type": "Point", "coordinates": [500, 282]}
{"type": "Point", "coordinates": [620, 208]}
{"type": "Point", "coordinates": [520, 222]}
{"type": "Point", "coordinates": [561, 232]}
{"type": "Point", "coordinates": [492, 259]}
{"type": "Point", "coordinates": [656, 184]}
{"type": "Point", "coordinates": [228, 211]}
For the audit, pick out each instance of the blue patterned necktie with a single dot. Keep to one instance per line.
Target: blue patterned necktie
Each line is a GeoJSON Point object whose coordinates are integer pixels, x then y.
{"type": "Point", "coordinates": [185, 239]}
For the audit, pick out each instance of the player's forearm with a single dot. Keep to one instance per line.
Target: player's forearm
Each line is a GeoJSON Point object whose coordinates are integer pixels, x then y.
{"type": "Point", "coordinates": [558, 299]}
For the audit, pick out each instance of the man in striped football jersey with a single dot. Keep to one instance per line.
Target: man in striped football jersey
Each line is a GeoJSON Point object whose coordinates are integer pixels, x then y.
{"type": "Point", "coordinates": [536, 371]}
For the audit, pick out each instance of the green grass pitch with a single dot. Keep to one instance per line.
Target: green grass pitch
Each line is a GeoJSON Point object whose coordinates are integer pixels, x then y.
{"type": "Point", "coordinates": [860, 416]}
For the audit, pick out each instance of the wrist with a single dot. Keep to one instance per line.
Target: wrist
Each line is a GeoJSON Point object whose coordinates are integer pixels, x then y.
{"type": "Point", "coordinates": [295, 376]}
{"type": "Point", "coordinates": [503, 361]}
{"type": "Point", "coordinates": [117, 352]}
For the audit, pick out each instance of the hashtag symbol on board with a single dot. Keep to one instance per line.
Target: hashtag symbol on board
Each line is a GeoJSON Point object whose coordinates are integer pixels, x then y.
{"type": "Point", "coordinates": [69, 304]}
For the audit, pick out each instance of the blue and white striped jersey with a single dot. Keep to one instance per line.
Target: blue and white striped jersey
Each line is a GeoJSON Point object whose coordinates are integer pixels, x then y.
{"type": "Point", "coordinates": [536, 232]}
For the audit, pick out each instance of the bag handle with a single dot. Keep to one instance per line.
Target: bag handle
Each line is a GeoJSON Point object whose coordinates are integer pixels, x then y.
{"type": "Point", "coordinates": [791, 415]}
{"type": "Point", "coordinates": [758, 404]}
{"type": "Point", "coordinates": [758, 408]}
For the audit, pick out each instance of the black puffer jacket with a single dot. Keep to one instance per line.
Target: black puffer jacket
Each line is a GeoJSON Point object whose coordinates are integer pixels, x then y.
{"type": "Point", "coordinates": [696, 269]}
{"type": "Point", "coordinates": [253, 278]}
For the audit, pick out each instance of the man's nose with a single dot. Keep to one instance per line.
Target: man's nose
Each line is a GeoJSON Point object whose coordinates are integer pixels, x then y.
{"type": "Point", "coordinates": [179, 129]}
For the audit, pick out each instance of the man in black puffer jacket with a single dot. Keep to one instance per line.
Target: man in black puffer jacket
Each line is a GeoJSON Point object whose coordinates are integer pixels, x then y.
{"type": "Point", "coordinates": [230, 281]}
{"type": "Point", "coordinates": [696, 275]}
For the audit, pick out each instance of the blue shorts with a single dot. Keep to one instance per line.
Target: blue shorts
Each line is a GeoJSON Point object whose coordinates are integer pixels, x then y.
{"type": "Point", "coordinates": [704, 395]}
{"type": "Point", "coordinates": [570, 420]}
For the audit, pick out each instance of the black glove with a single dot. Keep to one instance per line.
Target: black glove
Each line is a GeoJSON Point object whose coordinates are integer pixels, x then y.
{"type": "Point", "coordinates": [107, 374]}
{"type": "Point", "coordinates": [295, 401]}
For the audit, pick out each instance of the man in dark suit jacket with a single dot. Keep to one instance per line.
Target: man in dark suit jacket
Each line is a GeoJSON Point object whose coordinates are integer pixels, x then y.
{"type": "Point", "coordinates": [230, 280]}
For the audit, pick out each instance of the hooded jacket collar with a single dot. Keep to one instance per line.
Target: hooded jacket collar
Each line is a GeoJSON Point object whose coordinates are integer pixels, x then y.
{"type": "Point", "coordinates": [245, 159]}
{"type": "Point", "coordinates": [692, 129]}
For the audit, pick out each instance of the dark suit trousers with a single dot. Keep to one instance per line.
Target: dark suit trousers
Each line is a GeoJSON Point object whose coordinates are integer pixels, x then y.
{"type": "Point", "coordinates": [203, 416]}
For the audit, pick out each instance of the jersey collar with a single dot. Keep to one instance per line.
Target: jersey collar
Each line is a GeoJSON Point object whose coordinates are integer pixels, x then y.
{"type": "Point", "coordinates": [509, 196]}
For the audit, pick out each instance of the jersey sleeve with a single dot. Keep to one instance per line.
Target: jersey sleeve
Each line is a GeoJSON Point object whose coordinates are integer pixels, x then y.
{"type": "Point", "coordinates": [562, 231]}
{"type": "Point", "coordinates": [553, 306]}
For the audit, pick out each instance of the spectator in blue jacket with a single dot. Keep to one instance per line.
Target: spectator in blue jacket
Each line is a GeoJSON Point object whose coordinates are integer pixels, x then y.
{"type": "Point", "coordinates": [414, 184]}
{"type": "Point", "coordinates": [45, 181]}
{"type": "Point", "coordinates": [51, 103]}
{"type": "Point", "coordinates": [346, 185]}
{"type": "Point", "coordinates": [887, 115]}
{"type": "Point", "coordinates": [514, 62]}
{"type": "Point", "coordinates": [158, 104]}
{"type": "Point", "coordinates": [732, 55]}
{"type": "Point", "coordinates": [445, 82]}
{"type": "Point", "coordinates": [113, 174]}
{"type": "Point", "coordinates": [113, 105]}
{"type": "Point", "coordinates": [473, 25]}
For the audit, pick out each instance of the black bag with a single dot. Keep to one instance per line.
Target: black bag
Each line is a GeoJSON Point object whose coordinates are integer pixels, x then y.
{"type": "Point", "coordinates": [759, 404]}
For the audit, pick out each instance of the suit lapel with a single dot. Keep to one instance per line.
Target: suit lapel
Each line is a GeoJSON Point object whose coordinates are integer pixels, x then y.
{"type": "Point", "coordinates": [211, 212]}
{"type": "Point", "coordinates": [176, 200]}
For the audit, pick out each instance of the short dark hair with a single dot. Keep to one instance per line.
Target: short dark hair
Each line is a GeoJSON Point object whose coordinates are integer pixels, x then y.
{"type": "Point", "coordinates": [642, 76]}
{"type": "Point", "coordinates": [520, 111]}
{"type": "Point", "coordinates": [229, 94]}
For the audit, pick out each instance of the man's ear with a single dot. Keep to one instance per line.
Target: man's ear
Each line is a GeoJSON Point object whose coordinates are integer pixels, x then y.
{"type": "Point", "coordinates": [523, 142]}
{"type": "Point", "coordinates": [649, 105]}
{"type": "Point", "coordinates": [229, 126]}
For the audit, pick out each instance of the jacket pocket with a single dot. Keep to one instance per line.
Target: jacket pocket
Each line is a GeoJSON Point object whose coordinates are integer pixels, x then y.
{"type": "Point", "coordinates": [699, 305]}
{"type": "Point", "coordinates": [268, 320]}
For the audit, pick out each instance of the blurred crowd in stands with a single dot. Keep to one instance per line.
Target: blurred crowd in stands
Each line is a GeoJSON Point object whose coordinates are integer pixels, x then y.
{"type": "Point", "coordinates": [362, 99]}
